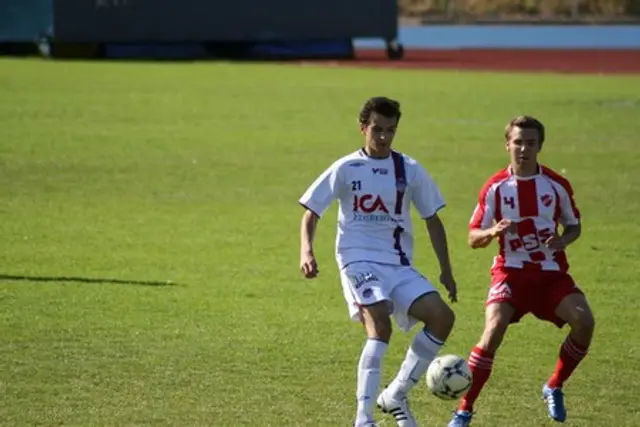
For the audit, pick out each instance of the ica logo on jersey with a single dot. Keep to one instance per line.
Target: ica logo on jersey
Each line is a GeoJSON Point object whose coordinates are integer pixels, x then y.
{"type": "Point", "coordinates": [369, 203]}
{"type": "Point", "coordinates": [370, 207]}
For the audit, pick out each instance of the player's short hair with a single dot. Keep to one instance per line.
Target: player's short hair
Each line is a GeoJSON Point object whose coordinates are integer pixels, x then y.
{"type": "Point", "coordinates": [381, 105]}
{"type": "Point", "coordinates": [524, 122]}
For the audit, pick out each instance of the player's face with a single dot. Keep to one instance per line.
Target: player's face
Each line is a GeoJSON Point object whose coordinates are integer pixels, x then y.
{"type": "Point", "coordinates": [523, 147]}
{"type": "Point", "coordinates": [379, 134]}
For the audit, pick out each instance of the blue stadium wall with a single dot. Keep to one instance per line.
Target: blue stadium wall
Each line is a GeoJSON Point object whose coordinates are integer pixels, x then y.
{"type": "Point", "coordinates": [193, 27]}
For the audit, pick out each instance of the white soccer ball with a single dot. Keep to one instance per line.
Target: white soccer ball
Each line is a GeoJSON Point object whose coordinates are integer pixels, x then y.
{"type": "Point", "coordinates": [449, 377]}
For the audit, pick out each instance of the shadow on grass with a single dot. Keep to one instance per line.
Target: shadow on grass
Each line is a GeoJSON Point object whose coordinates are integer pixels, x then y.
{"type": "Point", "coordinates": [6, 277]}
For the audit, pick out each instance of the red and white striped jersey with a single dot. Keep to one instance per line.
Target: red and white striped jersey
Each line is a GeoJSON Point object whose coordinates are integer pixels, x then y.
{"type": "Point", "coordinates": [537, 205]}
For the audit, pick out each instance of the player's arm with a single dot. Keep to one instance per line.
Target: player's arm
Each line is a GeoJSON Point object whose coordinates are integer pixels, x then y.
{"type": "Point", "coordinates": [481, 238]}
{"type": "Point", "coordinates": [438, 237]}
{"type": "Point", "coordinates": [483, 226]}
{"type": "Point", "coordinates": [569, 217]}
{"type": "Point", "coordinates": [308, 231]}
{"type": "Point", "coordinates": [428, 200]}
{"type": "Point", "coordinates": [571, 233]}
{"type": "Point", "coordinates": [308, 264]}
{"type": "Point", "coordinates": [316, 200]}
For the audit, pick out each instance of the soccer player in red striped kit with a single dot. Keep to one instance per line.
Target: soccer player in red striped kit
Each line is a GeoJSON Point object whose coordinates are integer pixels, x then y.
{"type": "Point", "coordinates": [523, 207]}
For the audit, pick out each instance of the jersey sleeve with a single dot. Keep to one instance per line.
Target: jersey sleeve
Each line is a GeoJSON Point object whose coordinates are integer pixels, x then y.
{"type": "Point", "coordinates": [569, 212]}
{"type": "Point", "coordinates": [425, 194]}
{"type": "Point", "coordinates": [483, 214]}
{"type": "Point", "coordinates": [322, 191]}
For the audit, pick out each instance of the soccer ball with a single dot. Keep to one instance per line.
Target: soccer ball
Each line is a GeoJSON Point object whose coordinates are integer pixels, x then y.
{"type": "Point", "coordinates": [449, 377]}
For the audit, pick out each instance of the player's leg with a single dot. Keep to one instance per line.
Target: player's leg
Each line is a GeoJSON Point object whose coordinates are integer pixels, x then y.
{"type": "Point", "coordinates": [506, 303]}
{"type": "Point", "coordinates": [437, 319]}
{"type": "Point", "coordinates": [377, 325]}
{"type": "Point", "coordinates": [415, 300]}
{"type": "Point", "coordinates": [369, 302]}
{"type": "Point", "coordinates": [573, 309]}
{"type": "Point", "coordinates": [497, 318]}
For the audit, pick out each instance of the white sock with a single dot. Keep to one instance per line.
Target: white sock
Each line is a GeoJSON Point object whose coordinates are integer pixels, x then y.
{"type": "Point", "coordinates": [369, 379]}
{"type": "Point", "coordinates": [422, 351]}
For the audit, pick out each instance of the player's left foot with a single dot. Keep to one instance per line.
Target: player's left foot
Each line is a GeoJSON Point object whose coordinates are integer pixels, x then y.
{"type": "Point", "coordinates": [554, 398]}
{"type": "Point", "coordinates": [460, 419]}
{"type": "Point", "coordinates": [399, 408]}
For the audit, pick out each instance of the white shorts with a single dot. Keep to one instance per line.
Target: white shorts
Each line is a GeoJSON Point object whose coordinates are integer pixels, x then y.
{"type": "Point", "coordinates": [366, 283]}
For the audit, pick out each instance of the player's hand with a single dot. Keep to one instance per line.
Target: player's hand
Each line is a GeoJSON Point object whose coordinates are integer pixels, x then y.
{"type": "Point", "coordinates": [308, 265]}
{"type": "Point", "coordinates": [446, 278]}
{"type": "Point", "coordinates": [504, 226]}
{"type": "Point", "coordinates": [555, 243]}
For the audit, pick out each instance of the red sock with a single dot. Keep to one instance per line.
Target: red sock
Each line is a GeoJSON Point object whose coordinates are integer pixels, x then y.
{"type": "Point", "coordinates": [571, 354]}
{"type": "Point", "coordinates": [480, 363]}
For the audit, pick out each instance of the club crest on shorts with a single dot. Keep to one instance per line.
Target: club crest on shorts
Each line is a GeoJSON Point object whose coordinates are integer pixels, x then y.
{"type": "Point", "coordinates": [362, 278]}
{"type": "Point", "coordinates": [500, 290]}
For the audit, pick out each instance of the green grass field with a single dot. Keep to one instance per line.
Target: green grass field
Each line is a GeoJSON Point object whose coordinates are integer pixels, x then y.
{"type": "Point", "coordinates": [189, 175]}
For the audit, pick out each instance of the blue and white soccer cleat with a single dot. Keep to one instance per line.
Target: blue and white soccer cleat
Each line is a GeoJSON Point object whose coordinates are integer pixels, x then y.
{"type": "Point", "coordinates": [399, 408]}
{"type": "Point", "coordinates": [554, 398]}
{"type": "Point", "coordinates": [460, 419]}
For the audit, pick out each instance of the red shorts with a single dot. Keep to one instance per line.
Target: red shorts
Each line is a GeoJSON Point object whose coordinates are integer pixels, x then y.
{"type": "Point", "coordinates": [537, 292]}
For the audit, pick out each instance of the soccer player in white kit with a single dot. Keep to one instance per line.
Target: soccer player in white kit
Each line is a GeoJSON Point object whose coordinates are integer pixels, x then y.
{"type": "Point", "coordinates": [375, 187]}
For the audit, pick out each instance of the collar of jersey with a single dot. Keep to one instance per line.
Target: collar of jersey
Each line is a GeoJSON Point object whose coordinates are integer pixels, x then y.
{"type": "Point", "coordinates": [524, 178]}
{"type": "Point", "coordinates": [364, 153]}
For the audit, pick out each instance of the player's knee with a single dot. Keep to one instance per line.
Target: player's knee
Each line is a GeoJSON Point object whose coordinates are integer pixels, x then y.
{"type": "Point", "coordinates": [494, 332]}
{"type": "Point", "coordinates": [440, 320]}
{"type": "Point", "coordinates": [447, 317]}
{"type": "Point", "coordinates": [585, 325]}
{"type": "Point", "coordinates": [377, 323]}
{"type": "Point", "coordinates": [380, 329]}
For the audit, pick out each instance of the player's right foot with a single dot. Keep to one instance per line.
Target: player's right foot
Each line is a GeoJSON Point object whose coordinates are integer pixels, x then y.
{"type": "Point", "coordinates": [399, 408]}
{"type": "Point", "coordinates": [460, 419]}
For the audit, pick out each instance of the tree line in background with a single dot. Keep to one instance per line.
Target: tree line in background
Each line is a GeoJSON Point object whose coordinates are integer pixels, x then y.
{"type": "Point", "coordinates": [522, 9]}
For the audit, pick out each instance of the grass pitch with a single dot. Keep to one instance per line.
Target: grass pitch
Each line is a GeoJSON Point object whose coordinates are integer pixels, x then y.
{"type": "Point", "coordinates": [149, 240]}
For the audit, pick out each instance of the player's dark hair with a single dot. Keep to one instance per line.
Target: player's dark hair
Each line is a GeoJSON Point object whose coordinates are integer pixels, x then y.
{"type": "Point", "coordinates": [380, 105]}
{"type": "Point", "coordinates": [524, 122]}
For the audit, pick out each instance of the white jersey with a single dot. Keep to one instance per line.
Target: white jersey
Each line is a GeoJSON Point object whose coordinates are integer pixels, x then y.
{"type": "Point", "coordinates": [374, 196]}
